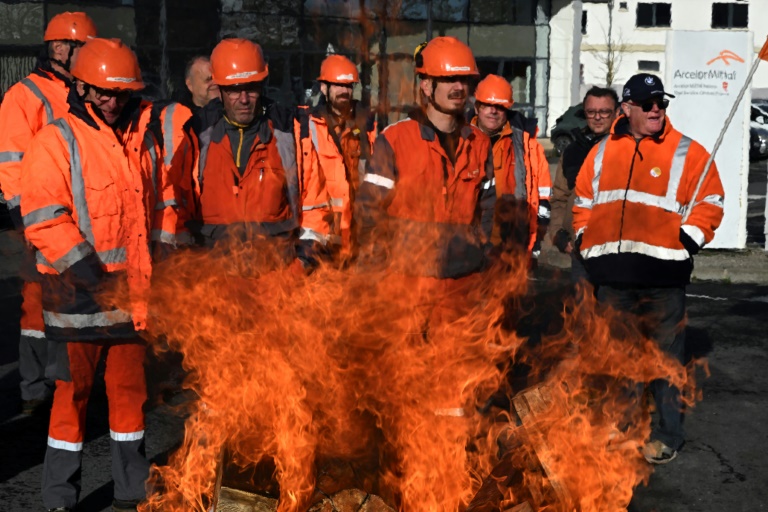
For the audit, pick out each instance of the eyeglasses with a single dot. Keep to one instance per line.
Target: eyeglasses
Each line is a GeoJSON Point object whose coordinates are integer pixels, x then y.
{"type": "Point", "coordinates": [647, 105]}
{"type": "Point", "coordinates": [463, 79]}
{"type": "Point", "coordinates": [591, 114]}
{"type": "Point", "coordinates": [104, 95]}
{"type": "Point", "coordinates": [234, 93]}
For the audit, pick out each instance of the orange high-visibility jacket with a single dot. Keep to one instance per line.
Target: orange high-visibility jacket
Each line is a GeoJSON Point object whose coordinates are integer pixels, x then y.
{"type": "Point", "coordinates": [630, 200]}
{"type": "Point", "coordinates": [435, 217]}
{"type": "Point", "coordinates": [28, 105]}
{"type": "Point", "coordinates": [162, 129]}
{"type": "Point", "coordinates": [531, 181]}
{"type": "Point", "coordinates": [86, 208]}
{"type": "Point", "coordinates": [342, 160]}
{"type": "Point", "coordinates": [266, 199]}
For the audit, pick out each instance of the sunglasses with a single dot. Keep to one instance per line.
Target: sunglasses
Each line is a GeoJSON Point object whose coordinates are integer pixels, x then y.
{"type": "Point", "coordinates": [647, 105]}
{"type": "Point", "coordinates": [104, 95]}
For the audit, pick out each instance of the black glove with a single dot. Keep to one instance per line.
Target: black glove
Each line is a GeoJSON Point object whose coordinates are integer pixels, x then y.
{"type": "Point", "coordinates": [561, 239]}
{"type": "Point", "coordinates": [690, 245]}
{"type": "Point", "coordinates": [86, 273]}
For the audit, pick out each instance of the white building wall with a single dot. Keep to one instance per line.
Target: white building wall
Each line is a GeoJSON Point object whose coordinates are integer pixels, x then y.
{"type": "Point", "coordinates": [564, 47]}
{"type": "Point", "coordinates": [649, 43]}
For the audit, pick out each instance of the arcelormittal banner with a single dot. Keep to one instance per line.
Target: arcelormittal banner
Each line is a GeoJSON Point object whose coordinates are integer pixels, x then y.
{"type": "Point", "coordinates": [705, 71]}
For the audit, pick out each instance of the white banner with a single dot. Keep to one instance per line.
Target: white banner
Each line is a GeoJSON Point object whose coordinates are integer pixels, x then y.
{"type": "Point", "coordinates": [705, 71]}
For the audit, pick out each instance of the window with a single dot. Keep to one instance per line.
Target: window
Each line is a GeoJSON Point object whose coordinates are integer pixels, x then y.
{"type": "Point", "coordinates": [623, 6]}
{"type": "Point", "coordinates": [654, 15]}
{"type": "Point", "coordinates": [583, 22]}
{"type": "Point", "coordinates": [648, 65]}
{"type": "Point", "coordinates": [730, 15]}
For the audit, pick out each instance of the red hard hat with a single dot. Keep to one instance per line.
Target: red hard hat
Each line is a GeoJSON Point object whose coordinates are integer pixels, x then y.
{"type": "Point", "coordinates": [238, 61]}
{"type": "Point", "coordinates": [446, 56]}
{"type": "Point", "coordinates": [338, 69]}
{"type": "Point", "coordinates": [494, 90]}
{"type": "Point", "coordinates": [108, 64]}
{"type": "Point", "coordinates": [70, 26]}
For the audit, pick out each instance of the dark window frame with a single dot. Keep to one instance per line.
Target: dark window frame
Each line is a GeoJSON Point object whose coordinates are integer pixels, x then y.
{"type": "Point", "coordinates": [731, 8]}
{"type": "Point", "coordinates": [655, 14]}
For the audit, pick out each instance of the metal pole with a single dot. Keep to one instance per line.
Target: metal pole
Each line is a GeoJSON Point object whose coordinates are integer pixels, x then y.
{"type": "Point", "coordinates": [720, 137]}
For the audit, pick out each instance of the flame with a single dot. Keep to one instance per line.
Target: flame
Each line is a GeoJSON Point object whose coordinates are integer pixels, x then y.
{"type": "Point", "coordinates": [379, 366]}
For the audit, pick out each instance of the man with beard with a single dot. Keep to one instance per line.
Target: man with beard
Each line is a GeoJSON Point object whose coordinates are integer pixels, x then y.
{"type": "Point", "coordinates": [638, 226]}
{"type": "Point", "coordinates": [601, 106]}
{"type": "Point", "coordinates": [247, 178]}
{"type": "Point", "coordinates": [87, 199]}
{"type": "Point", "coordinates": [28, 106]}
{"type": "Point", "coordinates": [520, 166]}
{"type": "Point", "coordinates": [341, 132]}
{"type": "Point", "coordinates": [425, 211]}
{"type": "Point", "coordinates": [428, 195]}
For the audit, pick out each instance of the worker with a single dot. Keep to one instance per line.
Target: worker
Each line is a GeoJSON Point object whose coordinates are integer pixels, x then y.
{"type": "Point", "coordinates": [199, 83]}
{"type": "Point", "coordinates": [342, 133]}
{"type": "Point", "coordinates": [425, 212]}
{"type": "Point", "coordinates": [86, 203]}
{"type": "Point", "coordinates": [520, 166]}
{"type": "Point", "coordinates": [247, 178]}
{"type": "Point", "coordinates": [28, 106]}
{"type": "Point", "coordinates": [639, 218]}
{"type": "Point", "coordinates": [601, 107]}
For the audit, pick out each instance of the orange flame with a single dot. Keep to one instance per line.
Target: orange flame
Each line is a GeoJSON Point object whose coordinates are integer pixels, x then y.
{"type": "Point", "coordinates": [345, 365]}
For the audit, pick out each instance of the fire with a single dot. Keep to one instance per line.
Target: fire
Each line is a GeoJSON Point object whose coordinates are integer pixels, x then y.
{"type": "Point", "coordinates": [364, 367]}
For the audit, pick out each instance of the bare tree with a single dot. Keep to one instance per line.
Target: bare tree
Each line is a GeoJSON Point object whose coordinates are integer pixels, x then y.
{"type": "Point", "coordinates": [614, 50]}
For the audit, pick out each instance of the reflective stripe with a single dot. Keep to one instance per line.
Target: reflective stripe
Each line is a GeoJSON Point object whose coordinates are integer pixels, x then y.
{"type": "Point", "coordinates": [583, 202]}
{"type": "Point", "coordinates": [74, 255]}
{"type": "Point", "coordinates": [676, 170]}
{"type": "Point", "coordinates": [309, 234]}
{"type": "Point", "coordinates": [168, 133]}
{"type": "Point", "coordinates": [545, 191]}
{"type": "Point", "coordinates": [544, 212]}
{"type": "Point", "coordinates": [205, 142]}
{"type": "Point", "coordinates": [633, 196]}
{"type": "Point", "coordinates": [11, 156]}
{"type": "Point", "coordinates": [629, 246]}
{"type": "Point", "coordinates": [286, 148]}
{"type": "Point", "coordinates": [162, 205]}
{"type": "Point", "coordinates": [159, 235]}
{"type": "Point", "coordinates": [77, 321]}
{"type": "Point", "coordinates": [313, 134]}
{"type": "Point", "coordinates": [78, 184]}
{"type": "Point", "coordinates": [307, 208]}
{"type": "Point", "coordinates": [695, 233]}
{"type": "Point", "coordinates": [126, 436]}
{"type": "Point", "coordinates": [32, 333]}
{"type": "Point", "coordinates": [598, 167]}
{"type": "Point", "coordinates": [149, 143]}
{"type": "Point", "coordinates": [40, 260]}
{"type": "Point", "coordinates": [32, 86]}
{"type": "Point", "coordinates": [380, 181]}
{"type": "Point", "coordinates": [43, 214]}
{"type": "Point", "coordinates": [15, 201]}
{"type": "Point", "coordinates": [487, 184]}
{"type": "Point", "coordinates": [117, 255]}
{"type": "Point", "coordinates": [337, 202]}
{"type": "Point", "coordinates": [63, 445]}
{"type": "Point", "coordinates": [580, 231]}
{"type": "Point", "coordinates": [714, 200]}
{"type": "Point", "coordinates": [521, 172]}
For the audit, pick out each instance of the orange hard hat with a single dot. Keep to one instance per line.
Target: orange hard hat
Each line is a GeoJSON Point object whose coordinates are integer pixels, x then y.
{"type": "Point", "coordinates": [108, 64]}
{"type": "Point", "coordinates": [446, 56]}
{"type": "Point", "coordinates": [494, 90]}
{"type": "Point", "coordinates": [238, 61]}
{"type": "Point", "coordinates": [70, 26]}
{"type": "Point", "coordinates": [338, 69]}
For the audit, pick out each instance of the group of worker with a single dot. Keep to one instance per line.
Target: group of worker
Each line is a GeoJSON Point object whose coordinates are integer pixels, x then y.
{"type": "Point", "coordinates": [105, 184]}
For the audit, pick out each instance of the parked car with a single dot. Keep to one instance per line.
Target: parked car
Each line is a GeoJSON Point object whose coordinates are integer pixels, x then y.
{"type": "Point", "coordinates": [561, 133]}
{"type": "Point", "coordinates": [758, 132]}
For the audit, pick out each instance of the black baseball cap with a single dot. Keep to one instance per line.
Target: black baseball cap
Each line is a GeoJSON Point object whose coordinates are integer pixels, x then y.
{"type": "Point", "coordinates": [643, 86]}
